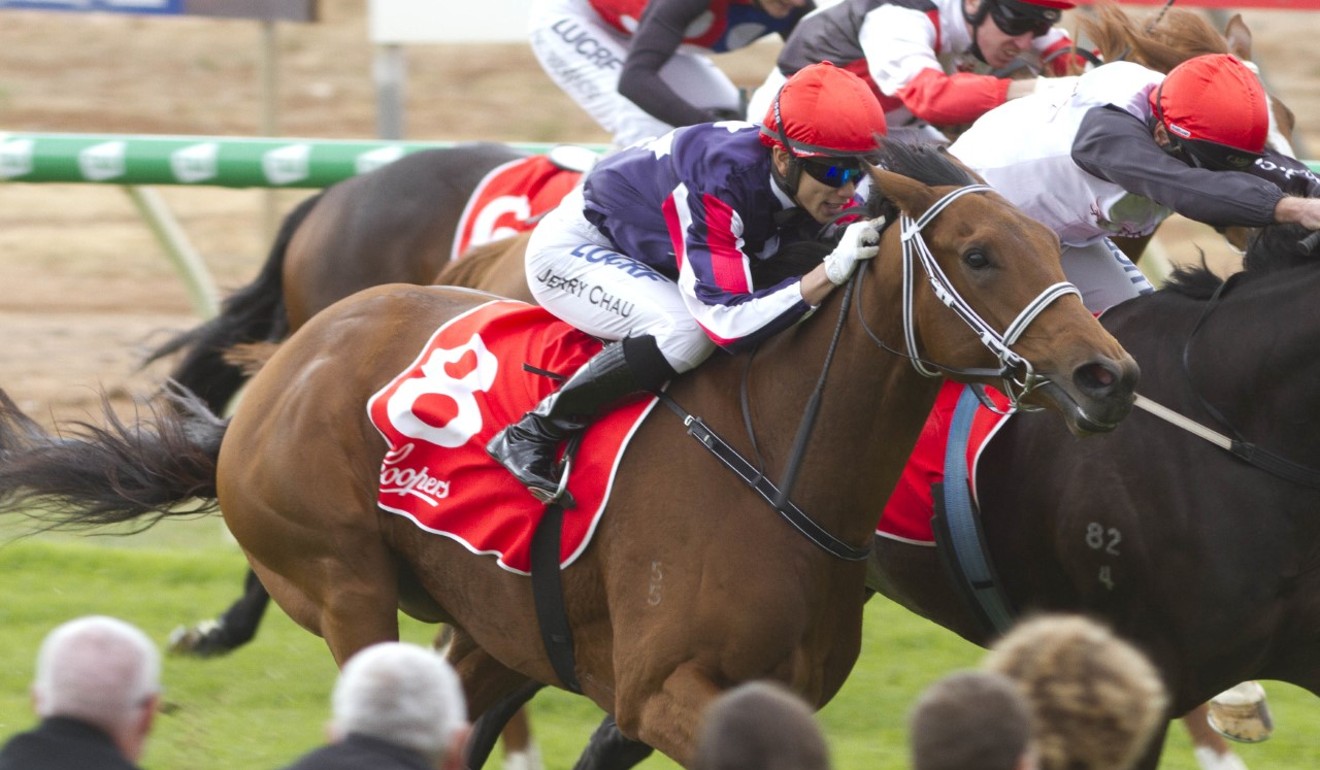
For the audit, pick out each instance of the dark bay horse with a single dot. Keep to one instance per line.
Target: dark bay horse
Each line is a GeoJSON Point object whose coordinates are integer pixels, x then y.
{"type": "Point", "coordinates": [296, 472]}
{"type": "Point", "coordinates": [1209, 562]}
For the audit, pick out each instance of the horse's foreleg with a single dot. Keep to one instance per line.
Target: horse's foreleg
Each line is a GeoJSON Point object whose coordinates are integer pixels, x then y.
{"type": "Point", "coordinates": [352, 602]}
{"type": "Point", "coordinates": [668, 719]}
{"type": "Point", "coordinates": [610, 749]}
{"type": "Point", "coordinates": [495, 695]}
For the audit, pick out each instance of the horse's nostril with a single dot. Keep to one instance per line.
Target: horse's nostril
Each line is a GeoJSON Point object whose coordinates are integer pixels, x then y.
{"type": "Point", "coordinates": [1096, 377]}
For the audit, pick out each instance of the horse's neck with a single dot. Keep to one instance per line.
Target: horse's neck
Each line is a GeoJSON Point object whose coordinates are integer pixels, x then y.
{"type": "Point", "coordinates": [872, 406]}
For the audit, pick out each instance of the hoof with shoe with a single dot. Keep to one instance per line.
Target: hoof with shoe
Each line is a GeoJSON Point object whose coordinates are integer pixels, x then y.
{"type": "Point", "coordinates": [1241, 714]}
{"type": "Point", "coordinates": [199, 641]}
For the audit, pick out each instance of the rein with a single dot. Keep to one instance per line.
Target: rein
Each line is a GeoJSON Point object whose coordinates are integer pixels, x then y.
{"type": "Point", "coordinates": [1256, 456]}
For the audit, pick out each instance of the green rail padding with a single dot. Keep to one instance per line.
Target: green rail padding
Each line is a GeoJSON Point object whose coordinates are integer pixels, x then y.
{"type": "Point", "coordinates": [126, 159]}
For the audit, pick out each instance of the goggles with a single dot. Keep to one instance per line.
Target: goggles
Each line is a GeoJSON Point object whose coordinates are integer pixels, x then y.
{"type": "Point", "coordinates": [1014, 22]}
{"type": "Point", "coordinates": [1213, 155]}
{"type": "Point", "coordinates": [832, 174]}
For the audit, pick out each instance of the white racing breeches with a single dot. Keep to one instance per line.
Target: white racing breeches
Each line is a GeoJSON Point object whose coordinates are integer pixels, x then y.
{"type": "Point", "coordinates": [1103, 274]}
{"type": "Point", "coordinates": [575, 273]}
{"type": "Point", "coordinates": [584, 56]}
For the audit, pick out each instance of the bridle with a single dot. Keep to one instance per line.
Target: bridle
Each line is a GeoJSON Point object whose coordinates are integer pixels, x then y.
{"type": "Point", "coordinates": [914, 249]}
{"type": "Point", "coordinates": [1018, 376]}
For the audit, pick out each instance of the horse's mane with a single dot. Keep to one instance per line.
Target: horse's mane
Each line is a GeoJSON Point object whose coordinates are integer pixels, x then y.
{"type": "Point", "coordinates": [1178, 35]}
{"type": "Point", "coordinates": [1272, 249]}
{"type": "Point", "coordinates": [929, 164]}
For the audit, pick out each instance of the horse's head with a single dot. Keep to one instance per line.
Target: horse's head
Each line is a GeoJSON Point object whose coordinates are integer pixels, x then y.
{"type": "Point", "coordinates": [1005, 307]}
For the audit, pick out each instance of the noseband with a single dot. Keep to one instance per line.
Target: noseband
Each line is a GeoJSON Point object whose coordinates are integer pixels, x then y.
{"type": "Point", "coordinates": [1018, 376]}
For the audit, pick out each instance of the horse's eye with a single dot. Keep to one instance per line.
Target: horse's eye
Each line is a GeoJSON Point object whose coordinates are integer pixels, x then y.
{"type": "Point", "coordinates": [976, 259]}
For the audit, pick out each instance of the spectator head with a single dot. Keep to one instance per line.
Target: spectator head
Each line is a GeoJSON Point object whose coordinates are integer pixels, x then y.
{"type": "Point", "coordinates": [403, 694]}
{"type": "Point", "coordinates": [971, 720]}
{"type": "Point", "coordinates": [101, 671]}
{"type": "Point", "coordinates": [1096, 700]}
{"type": "Point", "coordinates": [760, 725]}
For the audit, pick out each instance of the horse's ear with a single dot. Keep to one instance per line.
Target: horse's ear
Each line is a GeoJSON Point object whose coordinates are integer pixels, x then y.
{"type": "Point", "coordinates": [1239, 37]}
{"type": "Point", "coordinates": [908, 194]}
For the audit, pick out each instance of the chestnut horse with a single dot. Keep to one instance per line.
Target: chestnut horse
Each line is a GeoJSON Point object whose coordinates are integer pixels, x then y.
{"type": "Point", "coordinates": [296, 470]}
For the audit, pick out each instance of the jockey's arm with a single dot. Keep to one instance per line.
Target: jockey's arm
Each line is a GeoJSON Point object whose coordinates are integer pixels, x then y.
{"type": "Point", "coordinates": [1289, 174]}
{"type": "Point", "coordinates": [1117, 146]}
{"type": "Point", "coordinates": [899, 45]}
{"type": "Point", "coordinates": [948, 100]}
{"type": "Point", "coordinates": [659, 34]}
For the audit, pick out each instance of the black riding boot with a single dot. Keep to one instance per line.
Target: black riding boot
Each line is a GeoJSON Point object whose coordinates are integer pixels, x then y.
{"type": "Point", "coordinates": [528, 448]}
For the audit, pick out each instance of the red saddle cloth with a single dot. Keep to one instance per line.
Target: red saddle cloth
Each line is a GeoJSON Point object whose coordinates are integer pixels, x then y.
{"type": "Point", "coordinates": [512, 198]}
{"type": "Point", "coordinates": [466, 384]}
{"type": "Point", "coordinates": [908, 512]}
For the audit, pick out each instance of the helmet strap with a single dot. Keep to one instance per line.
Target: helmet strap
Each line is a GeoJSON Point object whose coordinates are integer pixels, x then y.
{"type": "Point", "coordinates": [788, 183]}
{"type": "Point", "coordinates": [976, 20]}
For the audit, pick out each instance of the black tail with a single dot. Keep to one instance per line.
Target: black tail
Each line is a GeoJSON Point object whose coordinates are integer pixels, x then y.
{"type": "Point", "coordinates": [254, 313]}
{"type": "Point", "coordinates": [90, 476]}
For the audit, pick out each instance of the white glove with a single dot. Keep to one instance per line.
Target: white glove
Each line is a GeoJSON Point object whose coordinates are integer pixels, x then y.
{"type": "Point", "coordinates": [860, 241]}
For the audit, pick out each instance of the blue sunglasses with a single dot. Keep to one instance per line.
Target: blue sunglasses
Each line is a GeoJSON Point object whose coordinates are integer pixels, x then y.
{"type": "Point", "coordinates": [832, 174]}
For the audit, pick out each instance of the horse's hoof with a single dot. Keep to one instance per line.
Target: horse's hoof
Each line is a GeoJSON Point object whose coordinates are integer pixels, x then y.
{"type": "Point", "coordinates": [199, 641]}
{"type": "Point", "coordinates": [1241, 714]}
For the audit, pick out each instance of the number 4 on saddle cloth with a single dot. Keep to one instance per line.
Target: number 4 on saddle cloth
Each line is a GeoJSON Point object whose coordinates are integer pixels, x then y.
{"type": "Point", "coordinates": [468, 382]}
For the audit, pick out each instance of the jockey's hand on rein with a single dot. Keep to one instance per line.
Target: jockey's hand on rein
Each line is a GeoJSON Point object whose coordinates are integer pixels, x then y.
{"type": "Point", "coordinates": [861, 240]}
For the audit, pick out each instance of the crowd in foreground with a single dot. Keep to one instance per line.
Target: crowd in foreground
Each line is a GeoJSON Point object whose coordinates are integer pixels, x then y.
{"type": "Point", "coordinates": [1057, 692]}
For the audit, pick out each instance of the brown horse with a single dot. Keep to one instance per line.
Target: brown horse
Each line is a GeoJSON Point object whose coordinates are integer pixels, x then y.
{"type": "Point", "coordinates": [662, 614]}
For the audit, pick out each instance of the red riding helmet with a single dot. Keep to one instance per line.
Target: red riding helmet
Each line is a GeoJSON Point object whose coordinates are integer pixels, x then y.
{"type": "Point", "coordinates": [824, 111]}
{"type": "Point", "coordinates": [1214, 104]}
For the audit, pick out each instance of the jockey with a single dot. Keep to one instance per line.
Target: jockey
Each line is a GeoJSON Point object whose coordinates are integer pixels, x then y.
{"type": "Point", "coordinates": [660, 248]}
{"type": "Point", "coordinates": [639, 68]}
{"type": "Point", "coordinates": [926, 59]}
{"type": "Point", "coordinates": [1125, 149]}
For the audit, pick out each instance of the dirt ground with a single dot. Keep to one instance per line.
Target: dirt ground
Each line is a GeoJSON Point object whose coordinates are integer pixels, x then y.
{"type": "Point", "coordinates": [83, 285]}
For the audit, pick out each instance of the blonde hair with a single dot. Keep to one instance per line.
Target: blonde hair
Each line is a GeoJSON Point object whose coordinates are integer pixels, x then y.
{"type": "Point", "coordinates": [1096, 700]}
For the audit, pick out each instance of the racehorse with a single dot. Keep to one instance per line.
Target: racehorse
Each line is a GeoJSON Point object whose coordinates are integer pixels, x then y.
{"type": "Point", "coordinates": [297, 469]}
{"type": "Point", "coordinates": [1211, 563]}
{"type": "Point", "coordinates": [1207, 557]}
{"type": "Point", "coordinates": [397, 224]}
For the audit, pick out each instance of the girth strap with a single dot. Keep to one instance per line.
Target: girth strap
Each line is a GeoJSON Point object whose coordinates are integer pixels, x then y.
{"type": "Point", "coordinates": [548, 596]}
{"type": "Point", "coordinates": [958, 526]}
